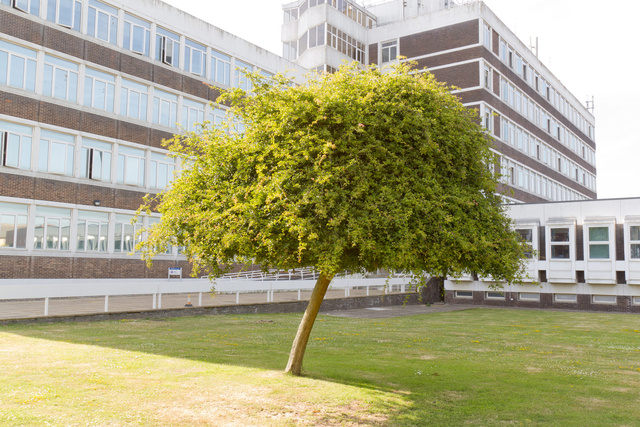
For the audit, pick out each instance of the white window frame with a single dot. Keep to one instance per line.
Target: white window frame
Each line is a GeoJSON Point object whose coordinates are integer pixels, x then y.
{"type": "Point", "coordinates": [12, 54]}
{"type": "Point", "coordinates": [97, 12]}
{"type": "Point", "coordinates": [193, 51]}
{"type": "Point", "coordinates": [133, 28]}
{"type": "Point", "coordinates": [93, 79]}
{"type": "Point", "coordinates": [19, 215]}
{"type": "Point", "coordinates": [241, 81]}
{"type": "Point", "coordinates": [95, 153]}
{"type": "Point", "coordinates": [164, 102]}
{"type": "Point", "coordinates": [54, 141]}
{"type": "Point", "coordinates": [220, 68]}
{"type": "Point", "coordinates": [127, 157]}
{"type": "Point", "coordinates": [566, 243]}
{"type": "Point", "coordinates": [28, 6]}
{"type": "Point", "coordinates": [46, 214]}
{"type": "Point", "coordinates": [595, 243]}
{"type": "Point", "coordinates": [87, 219]}
{"type": "Point", "coordinates": [132, 93]}
{"type": "Point", "coordinates": [8, 134]}
{"type": "Point", "coordinates": [55, 13]}
{"type": "Point", "coordinates": [192, 114]}
{"type": "Point", "coordinates": [167, 47]}
{"type": "Point", "coordinates": [161, 171]}
{"type": "Point", "coordinates": [70, 75]}
{"type": "Point", "coordinates": [122, 224]}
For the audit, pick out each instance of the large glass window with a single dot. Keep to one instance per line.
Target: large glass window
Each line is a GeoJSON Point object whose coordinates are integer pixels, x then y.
{"type": "Point", "coordinates": [29, 6]}
{"type": "Point", "coordinates": [560, 243]}
{"type": "Point", "coordinates": [137, 35]}
{"type": "Point", "coordinates": [241, 79]}
{"type": "Point", "coordinates": [92, 231]}
{"type": "Point", "coordinates": [165, 108]}
{"type": "Point", "coordinates": [167, 47]}
{"type": "Point", "coordinates": [15, 145]}
{"type": "Point", "coordinates": [192, 114]}
{"type": "Point", "coordinates": [13, 226]}
{"type": "Point", "coordinates": [56, 153]}
{"type": "Point", "coordinates": [17, 66]}
{"type": "Point", "coordinates": [102, 22]}
{"type": "Point", "coordinates": [52, 228]}
{"type": "Point", "coordinates": [60, 79]}
{"type": "Point", "coordinates": [389, 51]}
{"type": "Point", "coordinates": [526, 234]}
{"type": "Point", "coordinates": [220, 68]}
{"type": "Point", "coordinates": [634, 239]}
{"type": "Point", "coordinates": [599, 242]}
{"type": "Point", "coordinates": [133, 99]}
{"type": "Point", "coordinates": [65, 12]}
{"type": "Point", "coordinates": [99, 90]}
{"type": "Point", "coordinates": [95, 160]}
{"type": "Point", "coordinates": [126, 235]}
{"type": "Point", "coordinates": [130, 166]}
{"type": "Point", "coordinates": [216, 116]}
{"type": "Point", "coordinates": [162, 168]}
{"type": "Point", "coordinates": [195, 56]}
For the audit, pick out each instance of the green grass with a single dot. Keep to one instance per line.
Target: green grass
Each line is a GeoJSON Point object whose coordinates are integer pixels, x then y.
{"type": "Point", "coordinates": [475, 367]}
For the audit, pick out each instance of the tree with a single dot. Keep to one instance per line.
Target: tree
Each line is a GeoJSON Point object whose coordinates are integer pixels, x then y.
{"type": "Point", "coordinates": [357, 170]}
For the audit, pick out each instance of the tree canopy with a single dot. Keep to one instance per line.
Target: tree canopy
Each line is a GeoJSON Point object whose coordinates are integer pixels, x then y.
{"type": "Point", "coordinates": [357, 170]}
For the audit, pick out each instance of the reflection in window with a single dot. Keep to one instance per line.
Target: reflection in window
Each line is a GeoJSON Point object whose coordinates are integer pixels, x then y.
{"type": "Point", "coordinates": [52, 228]}
{"type": "Point", "coordinates": [102, 22]}
{"type": "Point", "coordinates": [133, 99]}
{"type": "Point", "coordinates": [56, 153]}
{"type": "Point", "coordinates": [28, 6]}
{"type": "Point", "coordinates": [599, 250]}
{"type": "Point", "coordinates": [167, 47]}
{"type": "Point", "coordinates": [126, 235]}
{"type": "Point", "coordinates": [560, 243]}
{"type": "Point", "coordinates": [220, 68]}
{"type": "Point", "coordinates": [389, 51]}
{"type": "Point", "coordinates": [194, 57]}
{"type": "Point", "coordinates": [526, 234]}
{"type": "Point", "coordinates": [92, 231]}
{"type": "Point", "coordinates": [634, 237]}
{"type": "Point", "coordinates": [13, 226]}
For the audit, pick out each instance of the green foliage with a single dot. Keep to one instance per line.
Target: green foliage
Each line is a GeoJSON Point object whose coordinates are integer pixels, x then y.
{"type": "Point", "coordinates": [357, 170]}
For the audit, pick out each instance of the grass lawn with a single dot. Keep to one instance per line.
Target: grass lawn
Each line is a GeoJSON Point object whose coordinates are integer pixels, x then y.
{"type": "Point", "coordinates": [475, 367]}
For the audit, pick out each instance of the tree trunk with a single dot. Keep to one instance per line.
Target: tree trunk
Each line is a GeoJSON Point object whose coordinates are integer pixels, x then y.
{"type": "Point", "coordinates": [294, 365]}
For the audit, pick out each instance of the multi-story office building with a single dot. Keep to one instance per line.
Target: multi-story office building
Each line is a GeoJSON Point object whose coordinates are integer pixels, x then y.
{"type": "Point", "coordinates": [544, 136]}
{"type": "Point", "coordinates": [89, 89]}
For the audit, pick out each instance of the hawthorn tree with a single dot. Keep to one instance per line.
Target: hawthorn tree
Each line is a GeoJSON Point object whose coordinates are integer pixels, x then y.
{"type": "Point", "coordinates": [357, 170]}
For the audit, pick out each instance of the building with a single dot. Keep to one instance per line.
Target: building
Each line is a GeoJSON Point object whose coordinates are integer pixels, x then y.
{"type": "Point", "coordinates": [544, 136]}
{"type": "Point", "coordinates": [89, 89]}
{"type": "Point", "coordinates": [585, 256]}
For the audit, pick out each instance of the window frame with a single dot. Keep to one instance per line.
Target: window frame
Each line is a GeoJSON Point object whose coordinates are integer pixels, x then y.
{"type": "Point", "coordinates": [130, 23]}
{"type": "Point", "coordinates": [50, 138]}
{"type": "Point", "coordinates": [126, 156]}
{"type": "Point", "coordinates": [130, 90]}
{"type": "Point", "coordinates": [96, 10]}
{"type": "Point", "coordinates": [91, 89]}
{"type": "Point", "coordinates": [163, 101]}
{"type": "Point", "coordinates": [47, 214]}
{"type": "Point", "coordinates": [17, 212]}
{"type": "Point", "coordinates": [89, 157]}
{"type": "Point", "coordinates": [25, 145]}
{"type": "Point", "coordinates": [55, 13]}
{"type": "Point", "coordinates": [558, 243]}
{"type": "Point", "coordinates": [72, 73]}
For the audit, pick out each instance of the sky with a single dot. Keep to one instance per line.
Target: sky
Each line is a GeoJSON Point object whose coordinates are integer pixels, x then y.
{"type": "Point", "coordinates": [590, 45]}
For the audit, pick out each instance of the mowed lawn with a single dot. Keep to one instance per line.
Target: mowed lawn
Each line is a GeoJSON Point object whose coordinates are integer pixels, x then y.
{"type": "Point", "coordinates": [474, 367]}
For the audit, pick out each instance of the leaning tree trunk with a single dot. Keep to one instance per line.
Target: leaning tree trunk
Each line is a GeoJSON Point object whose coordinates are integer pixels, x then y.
{"type": "Point", "coordinates": [294, 365]}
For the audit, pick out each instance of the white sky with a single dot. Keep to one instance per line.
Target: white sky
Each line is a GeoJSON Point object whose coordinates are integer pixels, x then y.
{"type": "Point", "coordinates": [590, 45]}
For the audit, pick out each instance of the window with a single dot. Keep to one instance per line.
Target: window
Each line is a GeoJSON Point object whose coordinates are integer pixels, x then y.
{"type": "Point", "coordinates": [195, 56]}
{"type": "Point", "coordinates": [165, 108]}
{"type": "Point", "coordinates": [29, 6]}
{"type": "Point", "coordinates": [220, 68]}
{"type": "Point", "coordinates": [600, 249]}
{"type": "Point", "coordinates": [565, 297]}
{"type": "Point", "coordinates": [102, 22]}
{"type": "Point", "coordinates": [99, 90]}
{"type": "Point", "coordinates": [464, 294]}
{"type": "Point", "coordinates": [494, 295]}
{"type": "Point", "coordinates": [526, 234]}
{"type": "Point", "coordinates": [60, 79]}
{"type": "Point", "coordinates": [560, 243]}
{"type": "Point", "coordinates": [134, 99]}
{"type": "Point", "coordinates": [216, 116]}
{"type": "Point", "coordinates": [290, 50]}
{"type": "Point", "coordinates": [162, 168]}
{"type": "Point", "coordinates": [137, 35]}
{"type": "Point", "coordinates": [488, 120]}
{"type": "Point", "coordinates": [17, 66]}
{"type": "Point", "coordinates": [167, 47]}
{"type": "Point", "coordinates": [13, 226]}
{"type": "Point", "coordinates": [316, 36]}
{"type": "Point", "coordinates": [126, 234]}
{"type": "Point", "coordinates": [192, 114]}
{"type": "Point", "coordinates": [65, 12]}
{"type": "Point", "coordinates": [52, 228]}
{"type": "Point", "coordinates": [95, 160]}
{"type": "Point", "coordinates": [487, 78]}
{"type": "Point", "coordinates": [604, 299]}
{"type": "Point", "coordinates": [15, 145]}
{"type": "Point", "coordinates": [634, 238]}
{"type": "Point", "coordinates": [130, 166]}
{"type": "Point", "coordinates": [241, 79]}
{"type": "Point", "coordinates": [389, 51]}
{"type": "Point", "coordinates": [487, 36]}
{"type": "Point", "coordinates": [92, 231]}
{"type": "Point", "coordinates": [528, 296]}
{"type": "Point", "coordinates": [56, 153]}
